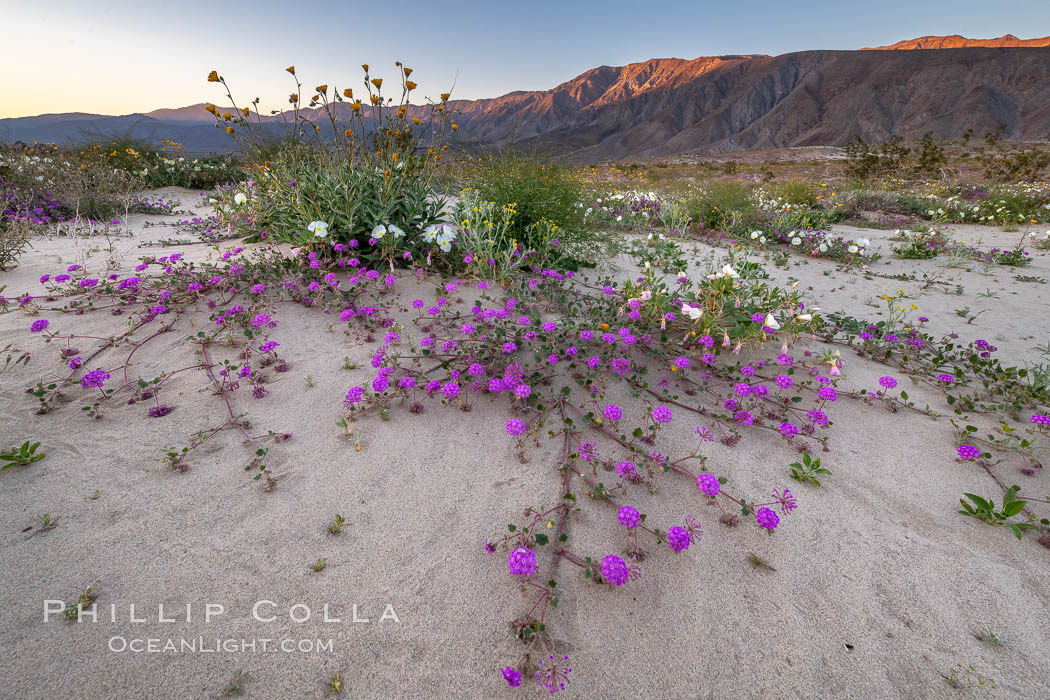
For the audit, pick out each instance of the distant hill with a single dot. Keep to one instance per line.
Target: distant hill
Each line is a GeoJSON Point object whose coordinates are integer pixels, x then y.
{"type": "Point", "coordinates": [954, 41]}
{"type": "Point", "coordinates": [709, 104]}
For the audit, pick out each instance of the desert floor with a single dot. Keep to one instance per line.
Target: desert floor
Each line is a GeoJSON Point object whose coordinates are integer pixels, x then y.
{"type": "Point", "coordinates": [879, 587]}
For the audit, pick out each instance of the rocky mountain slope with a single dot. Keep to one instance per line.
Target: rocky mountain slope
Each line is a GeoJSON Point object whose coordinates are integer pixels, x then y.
{"type": "Point", "coordinates": [708, 104]}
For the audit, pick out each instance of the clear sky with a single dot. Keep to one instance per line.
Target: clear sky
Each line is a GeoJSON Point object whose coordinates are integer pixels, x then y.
{"type": "Point", "coordinates": [123, 56]}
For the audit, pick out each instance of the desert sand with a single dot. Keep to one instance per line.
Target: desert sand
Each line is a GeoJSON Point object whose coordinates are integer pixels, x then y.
{"type": "Point", "coordinates": [879, 587]}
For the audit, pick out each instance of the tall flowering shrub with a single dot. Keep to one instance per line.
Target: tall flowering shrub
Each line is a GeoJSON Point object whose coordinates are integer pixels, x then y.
{"type": "Point", "coordinates": [359, 163]}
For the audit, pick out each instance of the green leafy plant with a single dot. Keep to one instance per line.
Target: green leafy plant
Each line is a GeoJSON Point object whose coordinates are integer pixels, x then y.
{"type": "Point", "coordinates": [47, 523]}
{"type": "Point", "coordinates": [865, 161]}
{"type": "Point", "coordinates": [921, 246]}
{"type": "Point", "coordinates": [984, 509]}
{"type": "Point", "coordinates": [986, 636]}
{"type": "Point", "coordinates": [539, 195]}
{"type": "Point", "coordinates": [759, 563]}
{"type": "Point", "coordinates": [967, 678]}
{"type": "Point", "coordinates": [931, 156]}
{"type": "Point", "coordinates": [723, 206]}
{"type": "Point", "coordinates": [337, 524]}
{"type": "Point", "coordinates": [234, 686]}
{"type": "Point", "coordinates": [807, 470]}
{"type": "Point", "coordinates": [14, 238]}
{"type": "Point", "coordinates": [376, 167]}
{"type": "Point", "coordinates": [21, 456]}
{"type": "Point", "coordinates": [335, 685]}
{"type": "Point", "coordinates": [72, 611]}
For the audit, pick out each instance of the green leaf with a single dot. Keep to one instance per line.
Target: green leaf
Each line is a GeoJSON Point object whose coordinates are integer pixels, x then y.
{"type": "Point", "coordinates": [1013, 508]}
{"type": "Point", "coordinates": [981, 503]}
{"type": "Point", "coordinates": [542, 540]}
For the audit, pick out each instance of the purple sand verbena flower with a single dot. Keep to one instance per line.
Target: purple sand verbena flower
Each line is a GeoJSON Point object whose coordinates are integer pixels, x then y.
{"type": "Point", "coordinates": [614, 570]}
{"type": "Point", "coordinates": [95, 378]}
{"type": "Point", "coordinates": [786, 500]}
{"type": "Point", "coordinates": [354, 395]}
{"type": "Point", "coordinates": [709, 484]}
{"type": "Point", "coordinates": [626, 470]}
{"type": "Point", "coordinates": [767, 519]}
{"type": "Point", "coordinates": [679, 538]}
{"type": "Point", "coordinates": [512, 676]}
{"type": "Point", "coordinates": [522, 562]}
{"type": "Point", "coordinates": [629, 517]}
{"type": "Point", "coordinates": [662, 414]}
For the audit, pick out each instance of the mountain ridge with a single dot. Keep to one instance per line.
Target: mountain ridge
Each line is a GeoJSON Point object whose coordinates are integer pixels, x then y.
{"type": "Point", "coordinates": [956, 41]}
{"type": "Point", "coordinates": [664, 106]}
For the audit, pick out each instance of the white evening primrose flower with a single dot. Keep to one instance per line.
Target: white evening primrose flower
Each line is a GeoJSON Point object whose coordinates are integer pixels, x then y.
{"type": "Point", "coordinates": [771, 322]}
{"type": "Point", "coordinates": [379, 231]}
{"type": "Point", "coordinates": [444, 241]}
{"type": "Point", "coordinates": [397, 233]}
{"type": "Point", "coordinates": [728, 271]}
{"type": "Point", "coordinates": [692, 312]}
{"type": "Point", "coordinates": [240, 198]}
{"type": "Point", "coordinates": [318, 228]}
{"type": "Point", "coordinates": [796, 240]}
{"type": "Point", "coordinates": [853, 249]}
{"type": "Point", "coordinates": [435, 232]}
{"type": "Point", "coordinates": [805, 317]}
